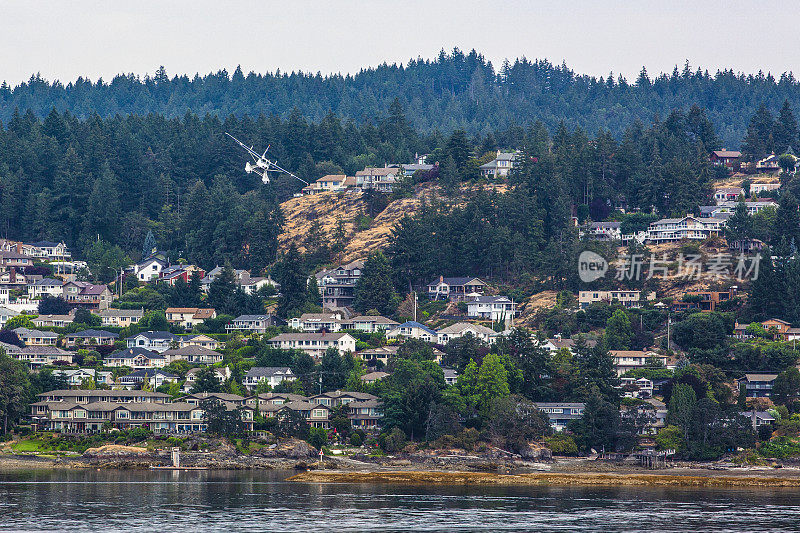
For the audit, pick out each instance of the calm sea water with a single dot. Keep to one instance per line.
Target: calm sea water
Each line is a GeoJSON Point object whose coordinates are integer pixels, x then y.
{"type": "Point", "coordinates": [203, 501]}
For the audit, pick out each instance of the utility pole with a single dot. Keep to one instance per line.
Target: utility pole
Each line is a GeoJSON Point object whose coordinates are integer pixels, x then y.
{"type": "Point", "coordinates": [415, 307]}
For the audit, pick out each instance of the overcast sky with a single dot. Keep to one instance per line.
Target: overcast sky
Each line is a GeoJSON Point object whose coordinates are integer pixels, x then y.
{"type": "Point", "coordinates": [64, 40]}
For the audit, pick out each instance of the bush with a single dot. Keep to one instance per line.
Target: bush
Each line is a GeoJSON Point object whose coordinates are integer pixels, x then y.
{"type": "Point", "coordinates": [561, 444]}
{"type": "Point", "coordinates": [395, 441]}
{"type": "Point", "coordinates": [356, 439]}
{"type": "Point", "coordinates": [138, 435]}
{"type": "Point", "coordinates": [317, 437]}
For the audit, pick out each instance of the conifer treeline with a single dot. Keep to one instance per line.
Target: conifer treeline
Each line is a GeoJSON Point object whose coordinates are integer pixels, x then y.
{"type": "Point", "coordinates": [455, 90]}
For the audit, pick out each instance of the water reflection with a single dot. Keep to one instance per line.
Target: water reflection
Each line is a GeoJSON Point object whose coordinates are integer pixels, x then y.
{"type": "Point", "coordinates": [107, 500]}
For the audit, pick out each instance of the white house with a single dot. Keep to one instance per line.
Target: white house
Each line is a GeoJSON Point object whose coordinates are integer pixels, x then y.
{"type": "Point", "coordinates": [157, 341]}
{"type": "Point", "coordinates": [271, 375]}
{"type": "Point", "coordinates": [625, 360]}
{"type": "Point", "coordinates": [314, 344]}
{"type": "Point", "coordinates": [149, 269]}
{"type": "Point", "coordinates": [412, 330]}
{"type": "Point", "coordinates": [314, 322]}
{"type": "Point", "coordinates": [154, 377]}
{"type": "Point", "coordinates": [5, 314]}
{"type": "Point", "coordinates": [370, 324]}
{"type": "Point", "coordinates": [34, 337]}
{"type": "Point", "coordinates": [462, 328]}
{"type": "Point", "coordinates": [251, 323]}
{"type": "Point", "coordinates": [603, 231]}
{"type": "Point", "coordinates": [688, 227]}
{"type": "Point", "coordinates": [495, 308]}
{"type": "Point", "coordinates": [45, 287]}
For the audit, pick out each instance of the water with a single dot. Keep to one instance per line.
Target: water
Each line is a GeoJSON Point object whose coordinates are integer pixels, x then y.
{"type": "Point", "coordinates": [201, 501]}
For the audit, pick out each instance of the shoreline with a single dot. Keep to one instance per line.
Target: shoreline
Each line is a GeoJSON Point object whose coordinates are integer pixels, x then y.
{"type": "Point", "coordinates": [576, 479]}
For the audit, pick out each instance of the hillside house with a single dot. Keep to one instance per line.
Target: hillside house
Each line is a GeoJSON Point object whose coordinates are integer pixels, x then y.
{"type": "Point", "coordinates": [53, 321]}
{"type": "Point", "coordinates": [314, 344]}
{"type": "Point", "coordinates": [688, 227]}
{"type": "Point", "coordinates": [413, 330]}
{"type": "Point", "coordinates": [456, 289]}
{"type": "Point", "coordinates": [11, 259]}
{"type": "Point", "coordinates": [90, 337]}
{"type": "Point", "coordinates": [758, 385]}
{"type": "Point", "coordinates": [316, 322]}
{"type": "Point", "coordinates": [157, 341]}
{"type": "Point", "coordinates": [5, 314]}
{"type": "Point", "coordinates": [725, 158]}
{"type": "Point", "coordinates": [728, 194]}
{"type": "Point", "coordinates": [758, 188]}
{"type": "Point", "coordinates": [379, 179]}
{"type": "Point", "coordinates": [34, 337]}
{"type": "Point", "coordinates": [86, 295]}
{"type": "Point", "coordinates": [271, 375]}
{"type": "Point", "coordinates": [46, 287]}
{"type": "Point", "coordinates": [153, 377]}
{"type": "Point", "coordinates": [708, 300]}
{"type": "Point", "coordinates": [459, 329]}
{"type": "Point", "coordinates": [252, 323]}
{"type": "Point", "coordinates": [626, 298]}
{"type": "Point", "coordinates": [337, 285]}
{"type": "Point", "coordinates": [494, 308]}
{"type": "Point", "coordinates": [171, 274]}
{"type": "Point", "coordinates": [561, 414]}
{"type": "Point", "coordinates": [369, 324]}
{"type": "Point", "coordinates": [136, 358]}
{"type": "Point", "coordinates": [149, 269]}
{"type": "Point", "coordinates": [327, 183]}
{"type": "Point", "coordinates": [196, 355]}
{"type": "Point", "coordinates": [38, 356]}
{"type": "Point", "coordinates": [500, 166]}
{"type": "Point", "coordinates": [625, 360]}
{"type": "Point", "coordinates": [602, 231]}
{"type": "Point", "coordinates": [189, 317]}
{"type": "Point", "coordinates": [120, 318]}
{"type": "Point", "coordinates": [50, 251]}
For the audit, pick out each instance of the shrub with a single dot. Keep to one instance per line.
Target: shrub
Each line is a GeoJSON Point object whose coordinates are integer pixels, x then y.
{"type": "Point", "coordinates": [561, 444]}
{"type": "Point", "coordinates": [356, 439]}
{"type": "Point", "coordinates": [395, 441]}
{"type": "Point", "coordinates": [317, 437]}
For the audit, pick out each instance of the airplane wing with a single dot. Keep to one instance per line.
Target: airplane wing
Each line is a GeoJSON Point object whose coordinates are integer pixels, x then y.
{"type": "Point", "coordinates": [279, 169]}
{"type": "Point", "coordinates": [252, 152]}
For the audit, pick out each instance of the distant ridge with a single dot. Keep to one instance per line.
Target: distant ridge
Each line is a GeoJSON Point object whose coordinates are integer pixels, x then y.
{"type": "Point", "coordinates": [454, 90]}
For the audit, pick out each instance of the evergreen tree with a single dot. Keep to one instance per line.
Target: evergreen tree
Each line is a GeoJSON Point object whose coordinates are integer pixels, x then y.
{"type": "Point", "coordinates": [149, 247]}
{"type": "Point", "coordinates": [374, 289]}
{"type": "Point", "coordinates": [785, 134]}
{"type": "Point", "coordinates": [290, 272]}
{"type": "Point", "coordinates": [619, 332]}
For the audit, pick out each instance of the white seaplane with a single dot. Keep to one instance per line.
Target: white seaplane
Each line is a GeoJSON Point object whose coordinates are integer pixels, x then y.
{"type": "Point", "coordinates": [261, 164]}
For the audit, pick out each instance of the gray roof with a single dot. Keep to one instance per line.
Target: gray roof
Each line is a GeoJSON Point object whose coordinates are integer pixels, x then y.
{"type": "Point", "coordinates": [130, 353]}
{"type": "Point", "coordinates": [268, 371]}
{"type": "Point", "coordinates": [157, 335]}
{"type": "Point", "coordinates": [34, 332]}
{"type": "Point", "coordinates": [94, 333]}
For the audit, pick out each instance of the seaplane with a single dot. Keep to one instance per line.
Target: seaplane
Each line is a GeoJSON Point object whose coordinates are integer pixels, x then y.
{"type": "Point", "coordinates": [262, 165]}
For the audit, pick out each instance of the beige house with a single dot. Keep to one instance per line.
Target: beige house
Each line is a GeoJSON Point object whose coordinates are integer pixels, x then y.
{"type": "Point", "coordinates": [189, 317]}
{"type": "Point", "coordinates": [120, 318]}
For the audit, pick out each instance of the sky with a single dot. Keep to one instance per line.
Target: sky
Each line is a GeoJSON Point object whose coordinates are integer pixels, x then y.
{"type": "Point", "coordinates": [64, 40]}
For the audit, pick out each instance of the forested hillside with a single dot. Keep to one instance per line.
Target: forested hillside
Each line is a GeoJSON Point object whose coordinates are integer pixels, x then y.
{"type": "Point", "coordinates": [455, 90]}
